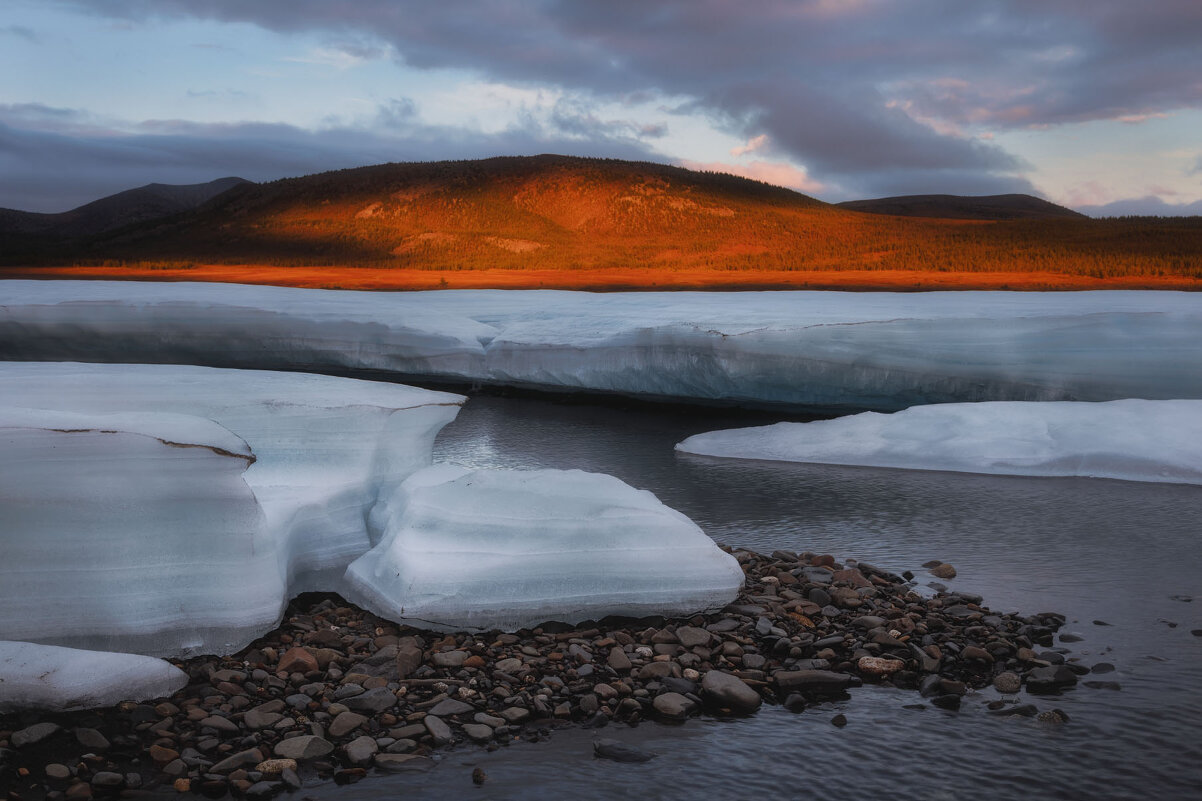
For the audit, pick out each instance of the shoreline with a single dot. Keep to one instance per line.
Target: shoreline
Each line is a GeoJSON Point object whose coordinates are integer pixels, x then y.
{"type": "Point", "coordinates": [335, 693]}
{"type": "Point", "coordinates": [340, 276]}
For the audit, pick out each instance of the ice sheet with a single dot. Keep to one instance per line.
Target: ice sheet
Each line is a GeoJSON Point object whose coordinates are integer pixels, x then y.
{"type": "Point", "coordinates": [510, 549]}
{"type": "Point", "coordinates": [173, 510]}
{"type": "Point", "coordinates": [66, 679]}
{"type": "Point", "coordinates": [1136, 440]}
{"type": "Point", "coordinates": [828, 350]}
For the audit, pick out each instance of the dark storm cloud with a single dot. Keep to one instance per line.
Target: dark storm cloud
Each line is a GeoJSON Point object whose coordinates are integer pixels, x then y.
{"type": "Point", "coordinates": [860, 91]}
{"type": "Point", "coordinates": [55, 159]}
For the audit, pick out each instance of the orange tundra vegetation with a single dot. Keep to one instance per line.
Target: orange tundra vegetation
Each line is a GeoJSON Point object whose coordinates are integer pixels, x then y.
{"type": "Point", "coordinates": [553, 221]}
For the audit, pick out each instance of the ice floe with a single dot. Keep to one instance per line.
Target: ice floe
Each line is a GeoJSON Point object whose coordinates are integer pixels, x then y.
{"type": "Point", "coordinates": [171, 510]}
{"type": "Point", "coordinates": [64, 679]}
{"type": "Point", "coordinates": [1136, 440]}
{"type": "Point", "coordinates": [503, 549]}
{"type": "Point", "coordinates": [831, 350]}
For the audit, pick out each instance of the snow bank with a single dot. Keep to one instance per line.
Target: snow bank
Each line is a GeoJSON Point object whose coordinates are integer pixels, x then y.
{"type": "Point", "coordinates": [1136, 440]}
{"type": "Point", "coordinates": [510, 549]}
{"type": "Point", "coordinates": [832, 350]}
{"type": "Point", "coordinates": [66, 679]}
{"type": "Point", "coordinates": [174, 510]}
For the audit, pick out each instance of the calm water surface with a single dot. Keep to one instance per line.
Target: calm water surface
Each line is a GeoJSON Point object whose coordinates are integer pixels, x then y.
{"type": "Point", "coordinates": [1122, 553]}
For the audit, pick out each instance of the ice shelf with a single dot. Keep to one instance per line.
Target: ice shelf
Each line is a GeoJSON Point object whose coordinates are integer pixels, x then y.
{"type": "Point", "coordinates": [173, 510]}
{"type": "Point", "coordinates": [839, 351]}
{"type": "Point", "coordinates": [65, 679]}
{"type": "Point", "coordinates": [496, 549]}
{"type": "Point", "coordinates": [1136, 440]}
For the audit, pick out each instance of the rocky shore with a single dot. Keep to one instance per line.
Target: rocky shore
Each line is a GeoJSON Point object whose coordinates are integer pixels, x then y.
{"type": "Point", "coordinates": [337, 693]}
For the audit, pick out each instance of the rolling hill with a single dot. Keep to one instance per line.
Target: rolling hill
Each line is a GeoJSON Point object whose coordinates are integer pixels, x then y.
{"type": "Point", "coordinates": [962, 207]}
{"type": "Point", "coordinates": [557, 221]}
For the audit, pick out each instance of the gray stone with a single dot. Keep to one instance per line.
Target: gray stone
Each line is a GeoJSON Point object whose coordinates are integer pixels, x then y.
{"type": "Point", "coordinates": [451, 706]}
{"type": "Point", "coordinates": [814, 682]}
{"type": "Point", "coordinates": [56, 771]}
{"type": "Point", "coordinates": [449, 659]}
{"type": "Point", "coordinates": [655, 670]}
{"type": "Point", "coordinates": [91, 738]}
{"type": "Point", "coordinates": [729, 692]}
{"type": "Point", "coordinates": [478, 732]}
{"type": "Point", "coordinates": [674, 706]}
{"type": "Point", "coordinates": [33, 735]}
{"type": "Point", "coordinates": [374, 701]}
{"type": "Point", "coordinates": [241, 759]}
{"type": "Point", "coordinates": [254, 719]}
{"type": "Point", "coordinates": [218, 723]}
{"type": "Point", "coordinates": [620, 752]}
{"type": "Point", "coordinates": [488, 720]}
{"type": "Point", "coordinates": [107, 779]}
{"type": "Point", "coordinates": [346, 723]}
{"type": "Point", "coordinates": [1008, 682]}
{"type": "Point", "coordinates": [1050, 679]}
{"type": "Point", "coordinates": [360, 750]}
{"type": "Point", "coordinates": [438, 729]}
{"type": "Point", "coordinates": [618, 660]}
{"type": "Point", "coordinates": [307, 746]}
{"type": "Point", "coordinates": [515, 714]}
{"type": "Point", "coordinates": [401, 763]}
{"type": "Point", "coordinates": [263, 789]}
{"type": "Point", "coordinates": [691, 636]}
{"type": "Point", "coordinates": [509, 665]}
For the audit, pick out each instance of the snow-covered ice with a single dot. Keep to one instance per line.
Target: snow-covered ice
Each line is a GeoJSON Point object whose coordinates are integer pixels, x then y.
{"type": "Point", "coordinates": [832, 350]}
{"type": "Point", "coordinates": [510, 549]}
{"type": "Point", "coordinates": [170, 510]}
{"type": "Point", "coordinates": [1136, 440]}
{"type": "Point", "coordinates": [65, 679]}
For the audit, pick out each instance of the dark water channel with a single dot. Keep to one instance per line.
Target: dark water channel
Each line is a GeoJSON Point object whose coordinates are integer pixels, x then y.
{"type": "Point", "coordinates": [1123, 553]}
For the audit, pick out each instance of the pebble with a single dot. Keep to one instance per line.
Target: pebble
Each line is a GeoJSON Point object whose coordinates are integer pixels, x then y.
{"type": "Point", "coordinates": [620, 752]}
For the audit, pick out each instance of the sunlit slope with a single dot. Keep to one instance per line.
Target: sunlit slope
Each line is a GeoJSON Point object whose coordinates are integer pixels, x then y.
{"type": "Point", "coordinates": [554, 215]}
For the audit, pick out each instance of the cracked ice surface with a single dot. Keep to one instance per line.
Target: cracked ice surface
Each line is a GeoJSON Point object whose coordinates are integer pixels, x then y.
{"type": "Point", "coordinates": [66, 679]}
{"type": "Point", "coordinates": [1136, 440]}
{"type": "Point", "coordinates": [505, 549]}
{"type": "Point", "coordinates": [832, 350]}
{"type": "Point", "coordinates": [172, 509]}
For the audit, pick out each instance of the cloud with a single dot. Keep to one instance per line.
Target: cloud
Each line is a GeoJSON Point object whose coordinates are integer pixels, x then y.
{"type": "Point", "coordinates": [56, 159]}
{"type": "Point", "coordinates": [753, 145]}
{"type": "Point", "coordinates": [20, 32]}
{"type": "Point", "coordinates": [778, 173]}
{"type": "Point", "coordinates": [1149, 205]}
{"type": "Point", "coordinates": [864, 94]}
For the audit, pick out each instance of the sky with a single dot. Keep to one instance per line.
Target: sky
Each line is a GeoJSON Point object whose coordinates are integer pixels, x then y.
{"type": "Point", "coordinates": [1093, 104]}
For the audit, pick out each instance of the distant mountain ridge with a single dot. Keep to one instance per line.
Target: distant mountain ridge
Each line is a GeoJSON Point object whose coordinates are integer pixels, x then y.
{"type": "Point", "coordinates": [130, 207]}
{"type": "Point", "coordinates": [965, 207]}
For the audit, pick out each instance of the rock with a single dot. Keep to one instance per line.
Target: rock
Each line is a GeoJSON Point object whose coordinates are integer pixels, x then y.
{"type": "Point", "coordinates": [373, 701]}
{"type": "Point", "coordinates": [56, 771]}
{"type": "Point", "coordinates": [450, 706]}
{"type": "Point", "coordinates": [401, 763]}
{"type": "Point", "coordinates": [438, 729]}
{"type": "Point", "coordinates": [77, 791]}
{"type": "Point", "coordinates": [1050, 679]}
{"type": "Point", "coordinates": [297, 660]}
{"type": "Point", "coordinates": [163, 755]}
{"type": "Point", "coordinates": [1007, 682]}
{"type": "Point", "coordinates": [32, 735]}
{"type": "Point", "coordinates": [943, 571]}
{"type": "Point", "coordinates": [878, 667]}
{"type": "Point", "coordinates": [674, 706]}
{"type": "Point", "coordinates": [655, 670]}
{"type": "Point", "coordinates": [618, 660]}
{"type": "Point", "coordinates": [478, 776]}
{"type": "Point", "coordinates": [307, 746]}
{"type": "Point", "coordinates": [409, 658]}
{"type": "Point", "coordinates": [275, 767]}
{"type": "Point", "coordinates": [814, 682]}
{"type": "Point", "coordinates": [239, 760]}
{"type": "Point", "coordinates": [360, 750]}
{"type": "Point", "coordinates": [108, 780]}
{"type": "Point", "coordinates": [515, 714]}
{"type": "Point", "coordinates": [479, 732]}
{"type": "Point", "coordinates": [218, 723]}
{"type": "Point", "coordinates": [346, 723]}
{"type": "Point", "coordinates": [508, 665]}
{"type": "Point", "coordinates": [839, 721]}
{"type": "Point", "coordinates": [91, 738]}
{"type": "Point", "coordinates": [254, 719]}
{"type": "Point", "coordinates": [725, 691]}
{"type": "Point", "coordinates": [977, 654]}
{"type": "Point", "coordinates": [449, 659]}
{"type": "Point", "coordinates": [620, 752]}
{"type": "Point", "coordinates": [947, 701]}
{"type": "Point", "coordinates": [691, 636]}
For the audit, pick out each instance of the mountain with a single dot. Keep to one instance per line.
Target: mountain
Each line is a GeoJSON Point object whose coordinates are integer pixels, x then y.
{"type": "Point", "coordinates": [150, 202]}
{"type": "Point", "coordinates": [962, 207]}
{"type": "Point", "coordinates": [558, 221]}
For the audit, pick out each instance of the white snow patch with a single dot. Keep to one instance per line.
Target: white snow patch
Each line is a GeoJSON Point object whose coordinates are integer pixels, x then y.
{"type": "Point", "coordinates": [65, 679]}
{"type": "Point", "coordinates": [1135, 440]}
{"type": "Point", "coordinates": [835, 350]}
{"type": "Point", "coordinates": [510, 549]}
{"type": "Point", "coordinates": [174, 510]}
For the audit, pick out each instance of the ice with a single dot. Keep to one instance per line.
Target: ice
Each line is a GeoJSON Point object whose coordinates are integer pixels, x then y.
{"type": "Point", "coordinates": [171, 510]}
{"type": "Point", "coordinates": [489, 549]}
{"type": "Point", "coordinates": [1136, 440]}
{"type": "Point", "coordinates": [827, 350]}
{"type": "Point", "coordinates": [67, 679]}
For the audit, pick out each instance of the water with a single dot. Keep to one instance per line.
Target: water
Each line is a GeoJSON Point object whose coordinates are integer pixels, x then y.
{"type": "Point", "coordinates": [1122, 553]}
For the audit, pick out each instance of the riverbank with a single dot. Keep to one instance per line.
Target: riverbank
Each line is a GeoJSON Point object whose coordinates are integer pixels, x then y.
{"type": "Point", "coordinates": [335, 692]}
